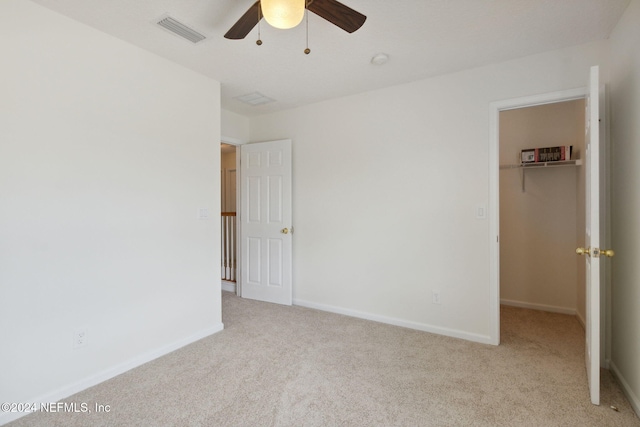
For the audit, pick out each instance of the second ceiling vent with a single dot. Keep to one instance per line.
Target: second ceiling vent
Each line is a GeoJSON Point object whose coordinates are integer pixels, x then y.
{"type": "Point", "coordinates": [179, 29]}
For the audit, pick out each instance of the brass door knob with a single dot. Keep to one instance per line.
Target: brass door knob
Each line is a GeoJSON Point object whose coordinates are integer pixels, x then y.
{"type": "Point", "coordinates": [582, 251]}
{"type": "Point", "coordinates": [285, 231]}
{"type": "Point", "coordinates": [607, 252]}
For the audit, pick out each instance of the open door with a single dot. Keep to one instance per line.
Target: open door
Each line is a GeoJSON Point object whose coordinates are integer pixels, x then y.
{"type": "Point", "coordinates": [592, 251]}
{"type": "Point", "coordinates": [265, 221]}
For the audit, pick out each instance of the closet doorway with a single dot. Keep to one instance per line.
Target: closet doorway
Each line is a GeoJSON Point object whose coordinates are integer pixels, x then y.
{"type": "Point", "coordinates": [542, 210]}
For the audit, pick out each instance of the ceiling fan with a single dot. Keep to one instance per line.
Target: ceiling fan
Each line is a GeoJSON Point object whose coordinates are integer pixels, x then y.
{"type": "Point", "coordinates": [331, 10]}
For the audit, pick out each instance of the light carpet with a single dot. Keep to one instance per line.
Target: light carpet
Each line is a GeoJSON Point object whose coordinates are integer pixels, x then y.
{"type": "Point", "coordinates": [294, 366]}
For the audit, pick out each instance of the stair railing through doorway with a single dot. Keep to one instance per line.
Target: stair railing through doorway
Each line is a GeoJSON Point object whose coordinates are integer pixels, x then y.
{"type": "Point", "coordinates": [229, 227]}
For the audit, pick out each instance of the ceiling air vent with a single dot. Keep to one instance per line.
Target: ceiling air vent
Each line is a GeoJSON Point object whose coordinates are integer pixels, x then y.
{"type": "Point", "coordinates": [255, 98]}
{"type": "Point", "coordinates": [179, 29]}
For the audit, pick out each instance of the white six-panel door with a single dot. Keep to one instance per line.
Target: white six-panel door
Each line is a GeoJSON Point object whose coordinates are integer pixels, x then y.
{"type": "Point", "coordinates": [266, 221]}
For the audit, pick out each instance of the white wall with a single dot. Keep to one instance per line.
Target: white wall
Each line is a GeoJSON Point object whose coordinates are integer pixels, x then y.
{"type": "Point", "coordinates": [385, 186]}
{"type": "Point", "coordinates": [235, 127]}
{"type": "Point", "coordinates": [625, 133]}
{"type": "Point", "coordinates": [538, 226]}
{"type": "Point", "coordinates": [106, 154]}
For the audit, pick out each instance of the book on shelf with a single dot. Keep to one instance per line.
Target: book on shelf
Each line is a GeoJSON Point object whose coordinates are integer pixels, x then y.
{"type": "Point", "coordinates": [546, 154]}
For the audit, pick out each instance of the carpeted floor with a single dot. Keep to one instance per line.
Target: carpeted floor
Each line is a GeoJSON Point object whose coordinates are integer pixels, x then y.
{"type": "Point", "coordinates": [293, 366]}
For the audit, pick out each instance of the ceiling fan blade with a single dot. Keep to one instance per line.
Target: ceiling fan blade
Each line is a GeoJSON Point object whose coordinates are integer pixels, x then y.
{"type": "Point", "coordinates": [245, 24]}
{"type": "Point", "coordinates": [338, 14]}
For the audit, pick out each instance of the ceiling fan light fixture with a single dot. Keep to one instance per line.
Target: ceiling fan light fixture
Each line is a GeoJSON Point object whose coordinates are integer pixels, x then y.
{"type": "Point", "coordinates": [283, 14]}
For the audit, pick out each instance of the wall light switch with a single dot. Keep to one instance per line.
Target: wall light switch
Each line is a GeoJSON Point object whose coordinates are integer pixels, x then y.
{"type": "Point", "coordinates": [203, 213]}
{"type": "Point", "coordinates": [481, 212]}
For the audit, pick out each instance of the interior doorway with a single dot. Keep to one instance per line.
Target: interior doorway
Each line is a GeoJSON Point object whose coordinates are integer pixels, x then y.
{"type": "Point", "coordinates": [228, 217]}
{"type": "Point", "coordinates": [542, 209]}
{"type": "Point", "coordinates": [256, 220]}
{"type": "Point", "coordinates": [495, 108]}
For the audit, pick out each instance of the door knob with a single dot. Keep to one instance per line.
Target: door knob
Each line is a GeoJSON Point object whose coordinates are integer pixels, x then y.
{"type": "Point", "coordinates": [596, 252]}
{"type": "Point", "coordinates": [285, 231]}
{"type": "Point", "coordinates": [582, 251]}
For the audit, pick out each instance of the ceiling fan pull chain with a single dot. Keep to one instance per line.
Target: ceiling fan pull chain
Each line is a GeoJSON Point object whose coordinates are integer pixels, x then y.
{"type": "Point", "coordinates": [307, 51]}
{"type": "Point", "coordinates": [259, 41]}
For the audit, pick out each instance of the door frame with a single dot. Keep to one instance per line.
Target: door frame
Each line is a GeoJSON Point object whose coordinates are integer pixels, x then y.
{"type": "Point", "coordinates": [237, 143]}
{"type": "Point", "coordinates": [494, 188]}
{"type": "Point", "coordinates": [494, 206]}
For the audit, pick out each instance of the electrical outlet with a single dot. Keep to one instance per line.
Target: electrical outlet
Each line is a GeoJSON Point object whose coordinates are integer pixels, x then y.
{"type": "Point", "coordinates": [435, 297]}
{"type": "Point", "coordinates": [80, 338]}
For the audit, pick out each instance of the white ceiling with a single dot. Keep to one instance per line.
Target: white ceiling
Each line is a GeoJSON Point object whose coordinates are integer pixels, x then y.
{"type": "Point", "coordinates": [423, 38]}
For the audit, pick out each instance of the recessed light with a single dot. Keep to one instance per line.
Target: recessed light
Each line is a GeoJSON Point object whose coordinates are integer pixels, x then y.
{"type": "Point", "coordinates": [379, 59]}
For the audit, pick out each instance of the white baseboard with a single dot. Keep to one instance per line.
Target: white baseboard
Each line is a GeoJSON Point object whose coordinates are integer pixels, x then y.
{"type": "Point", "coordinates": [454, 333]}
{"type": "Point", "coordinates": [626, 389]}
{"type": "Point", "coordinates": [228, 286]}
{"type": "Point", "coordinates": [70, 389]}
{"type": "Point", "coordinates": [541, 307]}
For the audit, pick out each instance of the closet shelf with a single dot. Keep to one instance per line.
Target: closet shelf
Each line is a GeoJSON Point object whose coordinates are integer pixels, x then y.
{"type": "Point", "coordinates": [576, 162]}
{"type": "Point", "coordinates": [524, 166]}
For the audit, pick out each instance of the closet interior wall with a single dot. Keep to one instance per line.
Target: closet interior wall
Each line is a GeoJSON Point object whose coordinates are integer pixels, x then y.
{"type": "Point", "coordinates": [542, 222]}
